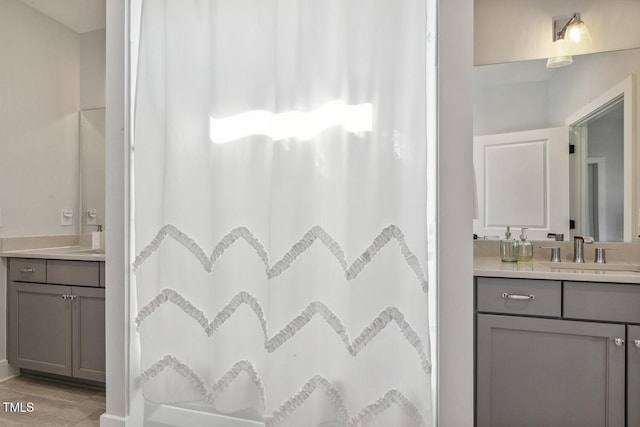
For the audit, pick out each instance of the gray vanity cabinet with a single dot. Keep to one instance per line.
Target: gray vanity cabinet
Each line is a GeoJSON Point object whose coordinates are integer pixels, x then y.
{"type": "Point", "coordinates": [535, 372]}
{"type": "Point", "coordinates": [53, 328]}
{"type": "Point", "coordinates": [633, 376]}
{"type": "Point", "coordinates": [39, 332]}
{"type": "Point", "coordinates": [552, 353]}
{"type": "Point", "coordinates": [87, 328]}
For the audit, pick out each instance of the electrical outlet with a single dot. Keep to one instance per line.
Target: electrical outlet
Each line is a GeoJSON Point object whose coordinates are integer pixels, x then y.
{"type": "Point", "coordinates": [66, 217]}
{"type": "Point", "coordinates": [91, 216]}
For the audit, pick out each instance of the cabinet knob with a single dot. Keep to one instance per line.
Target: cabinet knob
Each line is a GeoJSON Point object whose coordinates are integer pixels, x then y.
{"type": "Point", "coordinates": [636, 343]}
{"type": "Point", "coordinates": [619, 342]}
{"type": "Point", "coordinates": [64, 296]}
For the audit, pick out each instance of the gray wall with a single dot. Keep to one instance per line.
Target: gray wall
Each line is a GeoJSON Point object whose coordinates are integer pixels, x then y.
{"type": "Point", "coordinates": [526, 95]}
{"type": "Point", "coordinates": [606, 140]}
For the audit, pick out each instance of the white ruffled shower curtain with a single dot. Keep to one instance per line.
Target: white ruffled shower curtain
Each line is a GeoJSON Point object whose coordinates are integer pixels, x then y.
{"type": "Point", "coordinates": [280, 210]}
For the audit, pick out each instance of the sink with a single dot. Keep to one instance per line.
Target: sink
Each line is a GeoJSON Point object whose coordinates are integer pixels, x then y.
{"type": "Point", "coordinates": [634, 268]}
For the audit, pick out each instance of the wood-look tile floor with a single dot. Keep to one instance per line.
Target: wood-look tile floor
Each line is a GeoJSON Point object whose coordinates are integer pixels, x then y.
{"type": "Point", "coordinates": [54, 405]}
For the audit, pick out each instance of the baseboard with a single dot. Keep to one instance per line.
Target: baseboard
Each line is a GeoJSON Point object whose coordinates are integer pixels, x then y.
{"type": "Point", "coordinates": [107, 420]}
{"type": "Point", "coordinates": [63, 379]}
{"type": "Point", "coordinates": [7, 371]}
{"type": "Point", "coordinates": [159, 415]}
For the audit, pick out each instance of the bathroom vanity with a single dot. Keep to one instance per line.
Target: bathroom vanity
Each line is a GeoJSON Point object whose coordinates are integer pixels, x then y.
{"type": "Point", "coordinates": [56, 312]}
{"type": "Point", "coordinates": [556, 347]}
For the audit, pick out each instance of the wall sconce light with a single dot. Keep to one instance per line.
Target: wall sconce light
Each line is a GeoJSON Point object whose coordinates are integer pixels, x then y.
{"type": "Point", "coordinates": [573, 31]}
{"type": "Point", "coordinates": [559, 61]}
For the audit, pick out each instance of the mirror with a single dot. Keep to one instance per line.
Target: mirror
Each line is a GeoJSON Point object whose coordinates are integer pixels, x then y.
{"type": "Point", "coordinates": [92, 169]}
{"type": "Point", "coordinates": [525, 96]}
{"type": "Point", "coordinates": [601, 134]}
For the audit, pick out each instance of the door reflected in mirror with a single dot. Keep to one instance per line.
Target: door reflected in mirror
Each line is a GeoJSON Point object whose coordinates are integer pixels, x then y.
{"type": "Point", "coordinates": [598, 178]}
{"type": "Point", "coordinates": [525, 96]}
{"type": "Point", "coordinates": [92, 169]}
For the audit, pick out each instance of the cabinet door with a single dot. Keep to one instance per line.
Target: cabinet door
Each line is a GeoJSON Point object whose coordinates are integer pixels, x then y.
{"type": "Point", "coordinates": [88, 334]}
{"type": "Point", "coordinates": [548, 372]}
{"type": "Point", "coordinates": [39, 327]}
{"type": "Point", "coordinates": [633, 376]}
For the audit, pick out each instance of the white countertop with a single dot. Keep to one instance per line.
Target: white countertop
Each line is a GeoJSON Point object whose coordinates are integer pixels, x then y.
{"type": "Point", "coordinates": [494, 267]}
{"type": "Point", "coordinates": [78, 253]}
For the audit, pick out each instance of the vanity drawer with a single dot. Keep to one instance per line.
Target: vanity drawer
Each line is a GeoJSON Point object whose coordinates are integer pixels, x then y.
{"type": "Point", "coordinates": [519, 296]}
{"type": "Point", "coordinates": [102, 274]}
{"type": "Point", "coordinates": [613, 302]}
{"type": "Point", "coordinates": [27, 270]}
{"type": "Point", "coordinates": [79, 273]}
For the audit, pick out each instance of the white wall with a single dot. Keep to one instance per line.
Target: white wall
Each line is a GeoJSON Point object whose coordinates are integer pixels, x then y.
{"type": "Point", "coordinates": [39, 83]}
{"type": "Point", "coordinates": [118, 319]}
{"type": "Point", "coordinates": [455, 211]}
{"type": "Point", "coordinates": [92, 69]}
{"type": "Point", "coordinates": [49, 72]}
{"type": "Point", "coordinates": [517, 30]}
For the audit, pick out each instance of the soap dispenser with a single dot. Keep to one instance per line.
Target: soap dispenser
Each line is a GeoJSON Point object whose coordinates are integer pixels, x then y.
{"type": "Point", "coordinates": [525, 247]}
{"type": "Point", "coordinates": [97, 238]}
{"type": "Point", "coordinates": [508, 247]}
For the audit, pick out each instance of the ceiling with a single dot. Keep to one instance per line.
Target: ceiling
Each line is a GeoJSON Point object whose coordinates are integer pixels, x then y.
{"type": "Point", "coordinates": [79, 15]}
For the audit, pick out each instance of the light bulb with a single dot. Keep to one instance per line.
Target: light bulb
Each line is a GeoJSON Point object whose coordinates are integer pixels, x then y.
{"type": "Point", "coordinates": [577, 33]}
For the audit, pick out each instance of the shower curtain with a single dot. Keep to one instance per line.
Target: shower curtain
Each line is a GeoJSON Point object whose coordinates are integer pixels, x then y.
{"type": "Point", "coordinates": [280, 229]}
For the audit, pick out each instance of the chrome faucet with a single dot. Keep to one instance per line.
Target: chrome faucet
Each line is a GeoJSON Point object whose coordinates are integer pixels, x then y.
{"type": "Point", "coordinates": [578, 248]}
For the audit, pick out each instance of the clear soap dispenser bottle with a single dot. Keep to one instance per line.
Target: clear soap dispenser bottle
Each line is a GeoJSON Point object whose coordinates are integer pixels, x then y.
{"type": "Point", "coordinates": [508, 247]}
{"type": "Point", "coordinates": [525, 247]}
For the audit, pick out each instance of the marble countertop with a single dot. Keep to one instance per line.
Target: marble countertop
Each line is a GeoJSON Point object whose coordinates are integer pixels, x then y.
{"type": "Point", "coordinates": [589, 272]}
{"type": "Point", "coordinates": [78, 253]}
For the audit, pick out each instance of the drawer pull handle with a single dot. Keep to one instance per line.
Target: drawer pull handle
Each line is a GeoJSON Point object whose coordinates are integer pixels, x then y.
{"type": "Point", "coordinates": [28, 270]}
{"type": "Point", "coordinates": [619, 342]}
{"type": "Point", "coordinates": [519, 297]}
{"type": "Point", "coordinates": [636, 343]}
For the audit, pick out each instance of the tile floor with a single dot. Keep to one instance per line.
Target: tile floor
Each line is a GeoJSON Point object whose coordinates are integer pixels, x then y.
{"type": "Point", "coordinates": [54, 405]}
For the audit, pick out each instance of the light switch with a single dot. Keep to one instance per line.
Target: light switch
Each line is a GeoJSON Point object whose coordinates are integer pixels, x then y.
{"type": "Point", "coordinates": [66, 217]}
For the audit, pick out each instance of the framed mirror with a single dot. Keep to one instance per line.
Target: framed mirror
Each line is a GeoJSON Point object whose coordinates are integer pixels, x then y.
{"type": "Point", "coordinates": [92, 169]}
{"type": "Point", "coordinates": [525, 96]}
